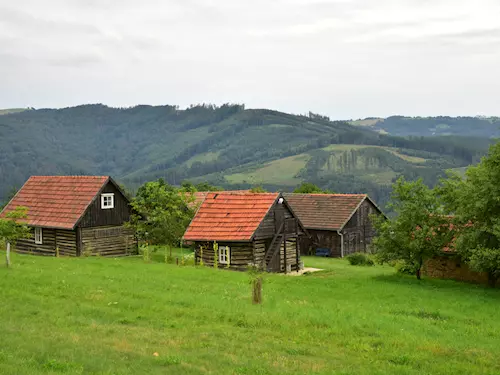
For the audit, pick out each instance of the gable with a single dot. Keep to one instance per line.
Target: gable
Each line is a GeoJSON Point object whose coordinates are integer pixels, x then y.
{"type": "Point", "coordinates": [95, 216]}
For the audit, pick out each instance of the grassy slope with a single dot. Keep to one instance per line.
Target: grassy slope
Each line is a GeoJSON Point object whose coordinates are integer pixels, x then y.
{"type": "Point", "coordinates": [109, 316]}
{"type": "Point", "coordinates": [284, 171]}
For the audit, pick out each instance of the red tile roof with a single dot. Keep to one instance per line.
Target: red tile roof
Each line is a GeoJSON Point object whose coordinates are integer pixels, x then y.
{"type": "Point", "coordinates": [56, 201]}
{"type": "Point", "coordinates": [200, 196]}
{"type": "Point", "coordinates": [324, 211]}
{"type": "Point", "coordinates": [233, 216]}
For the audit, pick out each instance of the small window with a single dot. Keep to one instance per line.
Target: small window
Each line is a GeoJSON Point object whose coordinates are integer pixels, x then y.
{"type": "Point", "coordinates": [224, 254]}
{"type": "Point", "coordinates": [38, 236]}
{"type": "Point", "coordinates": [107, 201]}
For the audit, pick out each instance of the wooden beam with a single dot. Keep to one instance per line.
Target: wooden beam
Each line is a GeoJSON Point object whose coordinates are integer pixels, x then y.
{"type": "Point", "coordinates": [284, 250]}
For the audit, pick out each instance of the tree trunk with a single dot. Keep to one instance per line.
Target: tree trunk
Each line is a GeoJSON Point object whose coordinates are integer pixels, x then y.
{"type": "Point", "coordinates": [419, 270]}
{"type": "Point", "coordinates": [7, 256]}
{"type": "Point", "coordinates": [492, 280]}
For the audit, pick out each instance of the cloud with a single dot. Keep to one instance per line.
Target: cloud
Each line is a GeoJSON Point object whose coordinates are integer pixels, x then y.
{"type": "Point", "coordinates": [338, 57]}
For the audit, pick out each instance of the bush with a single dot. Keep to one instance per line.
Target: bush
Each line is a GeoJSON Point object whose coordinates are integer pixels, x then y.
{"type": "Point", "coordinates": [404, 268]}
{"type": "Point", "coordinates": [360, 259]}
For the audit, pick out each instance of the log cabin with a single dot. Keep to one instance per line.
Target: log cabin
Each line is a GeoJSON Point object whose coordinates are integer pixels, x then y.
{"type": "Point", "coordinates": [337, 224]}
{"type": "Point", "coordinates": [246, 229]}
{"type": "Point", "coordinates": [74, 216]}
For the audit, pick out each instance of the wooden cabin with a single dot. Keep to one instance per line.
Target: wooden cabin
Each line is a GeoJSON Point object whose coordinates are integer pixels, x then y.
{"type": "Point", "coordinates": [77, 215]}
{"type": "Point", "coordinates": [249, 229]}
{"type": "Point", "coordinates": [337, 224]}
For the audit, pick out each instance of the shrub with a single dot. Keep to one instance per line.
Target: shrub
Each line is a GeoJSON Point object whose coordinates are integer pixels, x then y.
{"type": "Point", "coordinates": [360, 259]}
{"type": "Point", "coordinates": [404, 268]}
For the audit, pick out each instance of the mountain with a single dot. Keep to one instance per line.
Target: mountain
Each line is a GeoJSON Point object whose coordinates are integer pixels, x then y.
{"type": "Point", "coordinates": [487, 127]}
{"type": "Point", "coordinates": [227, 145]}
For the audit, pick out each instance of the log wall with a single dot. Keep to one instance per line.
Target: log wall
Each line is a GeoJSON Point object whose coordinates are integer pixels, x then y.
{"type": "Point", "coordinates": [64, 240]}
{"type": "Point", "coordinates": [108, 241]}
{"type": "Point", "coordinates": [241, 254]}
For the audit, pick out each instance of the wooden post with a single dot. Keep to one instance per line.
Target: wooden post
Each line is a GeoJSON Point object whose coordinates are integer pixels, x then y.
{"type": "Point", "coordinates": [257, 291]}
{"type": "Point", "coordinates": [7, 256]}
{"type": "Point", "coordinates": [284, 251]}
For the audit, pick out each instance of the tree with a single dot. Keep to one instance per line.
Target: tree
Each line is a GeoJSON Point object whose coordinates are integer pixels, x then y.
{"type": "Point", "coordinates": [205, 186]}
{"type": "Point", "coordinates": [13, 229]}
{"type": "Point", "coordinates": [258, 189]}
{"type": "Point", "coordinates": [310, 188]}
{"type": "Point", "coordinates": [475, 205]}
{"type": "Point", "coordinates": [162, 213]}
{"type": "Point", "coordinates": [418, 232]}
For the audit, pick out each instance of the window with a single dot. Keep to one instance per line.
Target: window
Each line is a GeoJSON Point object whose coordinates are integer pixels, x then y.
{"type": "Point", "coordinates": [107, 201]}
{"type": "Point", "coordinates": [38, 236]}
{"type": "Point", "coordinates": [224, 254]}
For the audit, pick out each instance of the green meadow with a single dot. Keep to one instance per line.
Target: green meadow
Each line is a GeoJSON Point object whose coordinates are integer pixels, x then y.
{"type": "Point", "coordinates": [125, 316]}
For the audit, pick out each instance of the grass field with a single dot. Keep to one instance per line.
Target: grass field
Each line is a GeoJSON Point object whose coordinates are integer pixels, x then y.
{"type": "Point", "coordinates": [124, 316]}
{"type": "Point", "coordinates": [281, 171]}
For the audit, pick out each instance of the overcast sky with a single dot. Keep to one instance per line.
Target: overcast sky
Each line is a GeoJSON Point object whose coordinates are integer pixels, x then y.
{"type": "Point", "coordinates": [342, 58]}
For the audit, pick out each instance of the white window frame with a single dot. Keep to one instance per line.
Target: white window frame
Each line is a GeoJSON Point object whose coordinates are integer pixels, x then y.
{"type": "Point", "coordinates": [38, 235]}
{"type": "Point", "coordinates": [104, 202]}
{"type": "Point", "coordinates": [224, 254]}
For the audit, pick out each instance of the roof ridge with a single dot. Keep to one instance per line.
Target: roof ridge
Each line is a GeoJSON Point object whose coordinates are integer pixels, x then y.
{"type": "Point", "coordinates": [331, 195]}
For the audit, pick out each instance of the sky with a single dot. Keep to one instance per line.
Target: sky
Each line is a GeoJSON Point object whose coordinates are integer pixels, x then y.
{"type": "Point", "coordinates": [346, 59]}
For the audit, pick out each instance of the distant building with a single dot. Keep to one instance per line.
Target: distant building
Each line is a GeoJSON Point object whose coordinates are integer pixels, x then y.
{"type": "Point", "coordinates": [76, 215]}
{"type": "Point", "coordinates": [250, 229]}
{"type": "Point", "coordinates": [337, 224]}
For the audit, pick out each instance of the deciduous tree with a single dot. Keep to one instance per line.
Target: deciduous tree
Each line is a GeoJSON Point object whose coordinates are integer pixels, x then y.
{"type": "Point", "coordinates": [13, 229]}
{"type": "Point", "coordinates": [474, 202]}
{"type": "Point", "coordinates": [417, 232]}
{"type": "Point", "coordinates": [162, 213]}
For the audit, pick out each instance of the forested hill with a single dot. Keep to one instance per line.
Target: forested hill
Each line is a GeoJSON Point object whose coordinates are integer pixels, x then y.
{"type": "Point", "coordinates": [227, 145]}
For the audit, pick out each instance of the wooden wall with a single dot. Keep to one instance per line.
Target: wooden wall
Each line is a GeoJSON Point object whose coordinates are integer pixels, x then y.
{"type": "Point", "coordinates": [108, 241]}
{"type": "Point", "coordinates": [267, 227]}
{"type": "Point", "coordinates": [97, 217]}
{"type": "Point", "coordinates": [64, 240]}
{"type": "Point", "coordinates": [320, 239]}
{"type": "Point", "coordinates": [241, 254]}
{"type": "Point", "coordinates": [359, 231]}
{"type": "Point", "coordinates": [260, 247]}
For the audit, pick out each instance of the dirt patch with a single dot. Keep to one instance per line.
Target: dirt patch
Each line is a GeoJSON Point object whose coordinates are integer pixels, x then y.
{"type": "Point", "coordinates": [303, 271]}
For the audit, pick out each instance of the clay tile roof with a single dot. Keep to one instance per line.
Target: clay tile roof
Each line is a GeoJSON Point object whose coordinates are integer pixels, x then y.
{"type": "Point", "coordinates": [229, 216]}
{"type": "Point", "coordinates": [56, 201]}
{"type": "Point", "coordinates": [200, 196]}
{"type": "Point", "coordinates": [324, 211]}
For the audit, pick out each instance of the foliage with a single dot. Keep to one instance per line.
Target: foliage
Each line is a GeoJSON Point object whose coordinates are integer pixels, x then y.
{"type": "Point", "coordinates": [360, 259]}
{"type": "Point", "coordinates": [162, 213]}
{"type": "Point", "coordinates": [12, 227]}
{"type": "Point", "coordinates": [418, 232]}
{"type": "Point", "coordinates": [475, 205]}
{"type": "Point", "coordinates": [310, 188]}
{"type": "Point", "coordinates": [258, 189]}
{"type": "Point", "coordinates": [200, 320]}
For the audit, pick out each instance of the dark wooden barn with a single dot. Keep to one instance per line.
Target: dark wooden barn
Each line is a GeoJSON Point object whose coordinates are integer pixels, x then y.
{"type": "Point", "coordinates": [337, 224]}
{"type": "Point", "coordinates": [75, 215]}
{"type": "Point", "coordinates": [250, 229]}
